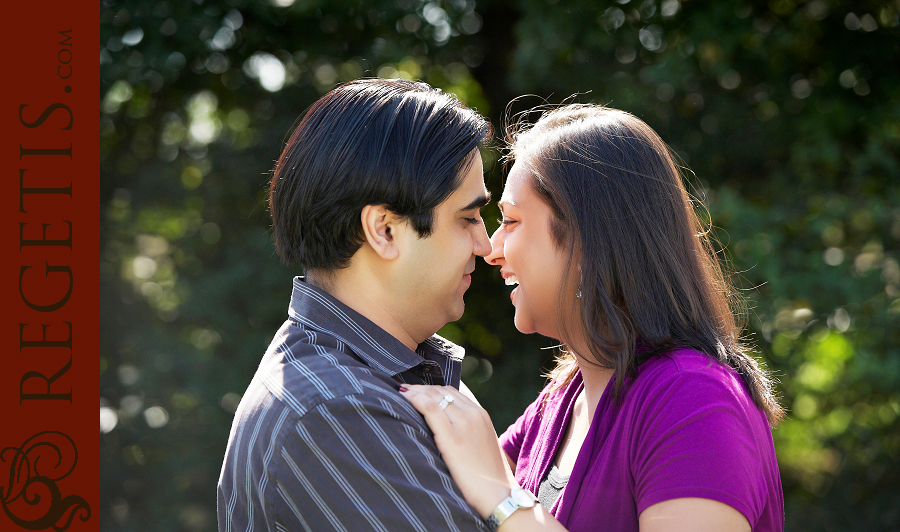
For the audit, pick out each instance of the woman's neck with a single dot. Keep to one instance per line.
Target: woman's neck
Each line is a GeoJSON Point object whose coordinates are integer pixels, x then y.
{"type": "Point", "coordinates": [595, 377]}
{"type": "Point", "coordinates": [595, 380]}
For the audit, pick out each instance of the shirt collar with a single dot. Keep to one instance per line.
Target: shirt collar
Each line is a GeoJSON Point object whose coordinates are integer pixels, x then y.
{"type": "Point", "coordinates": [317, 309]}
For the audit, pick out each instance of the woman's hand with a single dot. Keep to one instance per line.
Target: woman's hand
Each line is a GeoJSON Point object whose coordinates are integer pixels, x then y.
{"type": "Point", "coordinates": [466, 438]}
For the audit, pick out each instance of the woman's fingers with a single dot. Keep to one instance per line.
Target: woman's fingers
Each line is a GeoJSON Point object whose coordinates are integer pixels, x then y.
{"type": "Point", "coordinates": [428, 403]}
{"type": "Point", "coordinates": [466, 438]}
{"type": "Point", "coordinates": [438, 393]}
{"type": "Point", "coordinates": [449, 413]}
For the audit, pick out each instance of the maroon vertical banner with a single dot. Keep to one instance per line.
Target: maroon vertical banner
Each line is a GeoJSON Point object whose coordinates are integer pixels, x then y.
{"type": "Point", "coordinates": [49, 272]}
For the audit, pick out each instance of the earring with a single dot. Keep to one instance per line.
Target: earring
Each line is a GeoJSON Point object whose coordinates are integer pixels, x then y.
{"type": "Point", "coordinates": [578, 291]}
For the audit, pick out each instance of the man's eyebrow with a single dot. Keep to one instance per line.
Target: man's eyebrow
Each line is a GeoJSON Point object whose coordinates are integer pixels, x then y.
{"type": "Point", "coordinates": [477, 203]}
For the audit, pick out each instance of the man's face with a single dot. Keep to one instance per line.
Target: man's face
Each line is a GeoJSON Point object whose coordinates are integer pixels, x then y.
{"type": "Point", "coordinates": [435, 271]}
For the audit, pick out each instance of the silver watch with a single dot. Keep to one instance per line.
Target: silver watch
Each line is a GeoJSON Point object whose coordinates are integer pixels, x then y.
{"type": "Point", "coordinates": [518, 498]}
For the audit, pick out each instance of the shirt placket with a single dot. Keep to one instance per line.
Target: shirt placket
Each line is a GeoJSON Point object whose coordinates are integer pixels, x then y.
{"type": "Point", "coordinates": [431, 372]}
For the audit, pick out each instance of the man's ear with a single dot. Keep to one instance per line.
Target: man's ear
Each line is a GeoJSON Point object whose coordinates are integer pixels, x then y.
{"type": "Point", "coordinates": [380, 227]}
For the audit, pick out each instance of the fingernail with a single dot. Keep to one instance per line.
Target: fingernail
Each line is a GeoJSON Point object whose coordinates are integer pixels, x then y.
{"type": "Point", "coordinates": [403, 388]}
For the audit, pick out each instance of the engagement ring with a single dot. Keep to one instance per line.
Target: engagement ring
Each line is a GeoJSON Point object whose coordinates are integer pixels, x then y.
{"type": "Point", "coordinates": [445, 401]}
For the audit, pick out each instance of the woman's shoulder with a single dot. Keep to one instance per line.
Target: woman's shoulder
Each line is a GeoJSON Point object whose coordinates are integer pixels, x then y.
{"type": "Point", "coordinates": [687, 390]}
{"type": "Point", "coordinates": [689, 371]}
{"type": "Point", "coordinates": [682, 362]}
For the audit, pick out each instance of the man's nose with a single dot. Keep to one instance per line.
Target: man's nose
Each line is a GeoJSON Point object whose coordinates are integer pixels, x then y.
{"type": "Point", "coordinates": [482, 242]}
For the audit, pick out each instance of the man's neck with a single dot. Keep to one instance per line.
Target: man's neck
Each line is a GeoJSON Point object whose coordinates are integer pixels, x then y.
{"type": "Point", "coordinates": [320, 279]}
{"type": "Point", "coordinates": [366, 296]}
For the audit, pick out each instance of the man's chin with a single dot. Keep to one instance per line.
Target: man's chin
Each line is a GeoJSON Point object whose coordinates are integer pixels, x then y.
{"type": "Point", "coordinates": [457, 311]}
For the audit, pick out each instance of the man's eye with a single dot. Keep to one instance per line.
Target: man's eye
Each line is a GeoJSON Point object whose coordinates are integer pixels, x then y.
{"type": "Point", "coordinates": [474, 221]}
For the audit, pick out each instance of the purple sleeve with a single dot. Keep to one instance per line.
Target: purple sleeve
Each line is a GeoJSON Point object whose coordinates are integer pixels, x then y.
{"type": "Point", "coordinates": [700, 436]}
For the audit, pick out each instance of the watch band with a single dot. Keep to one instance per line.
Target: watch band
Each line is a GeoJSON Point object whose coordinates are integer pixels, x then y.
{"type": "Point", "coordinates": [518, 498]}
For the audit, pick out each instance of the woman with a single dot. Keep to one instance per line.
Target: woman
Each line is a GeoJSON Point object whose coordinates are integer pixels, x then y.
{"type": "Point", "coordinates": [656, 418]}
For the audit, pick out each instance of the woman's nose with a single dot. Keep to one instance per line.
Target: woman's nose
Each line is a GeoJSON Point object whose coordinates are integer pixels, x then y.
{"type": "Point", "coordinates": [497, 240]}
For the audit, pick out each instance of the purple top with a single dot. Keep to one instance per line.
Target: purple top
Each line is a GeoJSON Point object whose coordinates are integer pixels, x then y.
{"type": "Point", "coordinates": [687, 427]}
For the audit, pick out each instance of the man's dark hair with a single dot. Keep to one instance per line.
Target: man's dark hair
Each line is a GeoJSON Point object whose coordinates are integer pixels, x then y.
{"type": "Point", "coordinates": [397, 143]}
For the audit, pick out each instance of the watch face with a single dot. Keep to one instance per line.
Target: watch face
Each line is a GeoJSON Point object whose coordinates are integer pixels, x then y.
{"type": "Point", "coordinates": [523, 497]}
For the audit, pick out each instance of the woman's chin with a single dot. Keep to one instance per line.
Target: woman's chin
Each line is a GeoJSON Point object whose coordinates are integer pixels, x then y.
{"type": "Point", "coordinates": [522, 325]}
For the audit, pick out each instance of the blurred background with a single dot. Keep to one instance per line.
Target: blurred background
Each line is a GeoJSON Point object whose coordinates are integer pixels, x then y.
{"type": "Point", "coordinates": [787, 112]}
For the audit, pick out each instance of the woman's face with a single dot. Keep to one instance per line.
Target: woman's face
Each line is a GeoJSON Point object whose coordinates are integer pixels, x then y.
{"type": "Point", "coordinates": [524, 249]}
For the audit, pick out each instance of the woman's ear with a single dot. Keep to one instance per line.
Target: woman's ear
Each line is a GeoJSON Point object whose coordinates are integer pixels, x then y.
{"type": "Point", "coordinates": [380, 226]}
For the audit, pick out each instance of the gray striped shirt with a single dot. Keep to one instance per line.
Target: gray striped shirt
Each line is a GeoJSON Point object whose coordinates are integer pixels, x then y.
{"type": "Point", "coordinates": [322, 439]}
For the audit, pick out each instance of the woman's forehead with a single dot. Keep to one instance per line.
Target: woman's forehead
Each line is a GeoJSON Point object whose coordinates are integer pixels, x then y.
{"type": "Point", "coordinates": [518, 185]}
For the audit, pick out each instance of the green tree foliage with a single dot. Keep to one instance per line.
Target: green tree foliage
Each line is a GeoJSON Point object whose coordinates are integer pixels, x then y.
{"type": "Point", "coordinates": [787, 112]}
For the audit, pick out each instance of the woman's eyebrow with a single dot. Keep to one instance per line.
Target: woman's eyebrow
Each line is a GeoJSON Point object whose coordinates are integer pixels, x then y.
{"type": "Point", "coordinates": [505, 200]}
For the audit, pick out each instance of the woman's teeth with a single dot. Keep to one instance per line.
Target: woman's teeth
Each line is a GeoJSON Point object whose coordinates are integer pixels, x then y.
{"type": "Point", "coordinates": [511, 280]}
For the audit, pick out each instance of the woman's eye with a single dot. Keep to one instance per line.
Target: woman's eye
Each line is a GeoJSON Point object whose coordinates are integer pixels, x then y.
{"type": "Point", "coordinates": [505, 221]}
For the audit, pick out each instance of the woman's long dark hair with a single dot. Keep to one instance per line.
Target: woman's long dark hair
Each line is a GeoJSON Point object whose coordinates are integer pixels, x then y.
{"type": "Point", "coordinates": [650, 280]}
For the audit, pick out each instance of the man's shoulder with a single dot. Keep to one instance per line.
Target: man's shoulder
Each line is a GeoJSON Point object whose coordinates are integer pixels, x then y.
{"type": "Point", "coordinates": [304, 367]}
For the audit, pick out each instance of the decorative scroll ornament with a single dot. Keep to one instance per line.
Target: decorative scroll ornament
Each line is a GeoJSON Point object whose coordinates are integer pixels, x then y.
{"type": "Point", "coordinates": [31, 499]}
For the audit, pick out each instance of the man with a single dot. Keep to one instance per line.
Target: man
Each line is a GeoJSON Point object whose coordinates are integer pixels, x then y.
{"type": "Point", "coordinates": [377, 196]}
